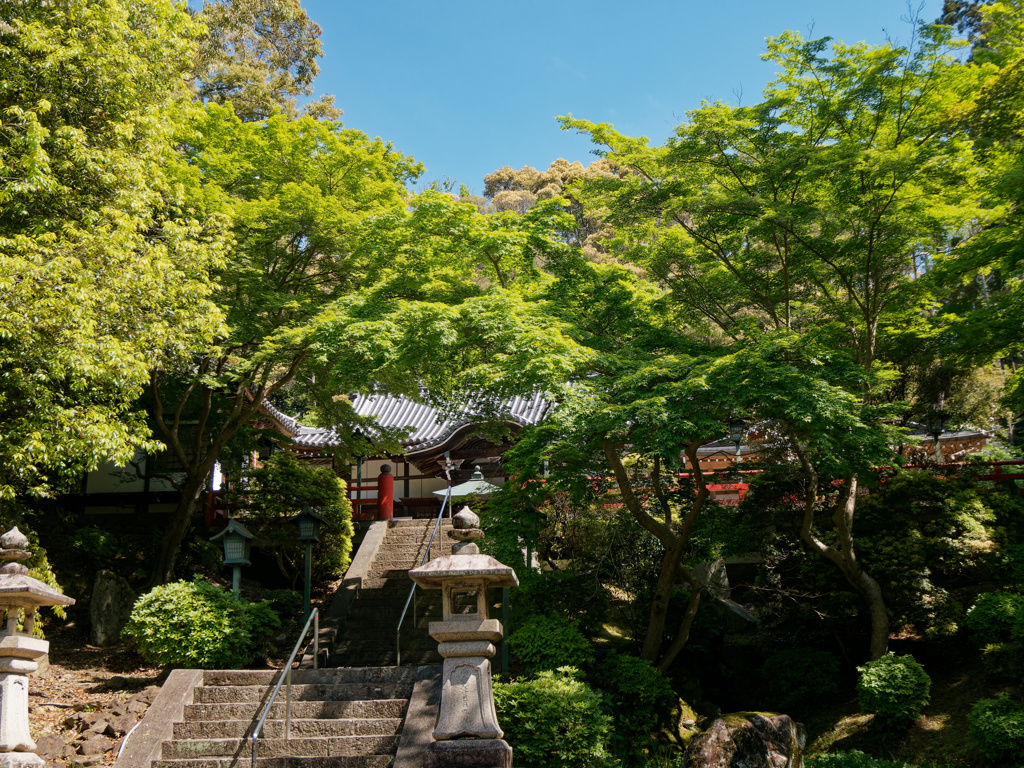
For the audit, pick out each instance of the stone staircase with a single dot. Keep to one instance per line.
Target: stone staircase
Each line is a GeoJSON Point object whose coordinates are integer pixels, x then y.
{"type": "Point", "coordinates": [367, 637]}
{"type": "Point", "coordinates": [341, 718]}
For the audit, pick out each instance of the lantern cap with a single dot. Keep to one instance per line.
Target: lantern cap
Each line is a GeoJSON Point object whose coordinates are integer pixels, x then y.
{"type": "Point", "coordinates": [468, 570]}
{"type": "Point", "coordinates": [307, 511]}
{"type": "Point", "coordinates": [234, 526]}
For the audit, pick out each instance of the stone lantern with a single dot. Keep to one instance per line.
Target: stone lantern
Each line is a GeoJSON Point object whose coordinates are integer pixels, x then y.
{"type": "Point", "coordinates": [467, 731]}
{"type": "Point", "coordinates": [19, 650]}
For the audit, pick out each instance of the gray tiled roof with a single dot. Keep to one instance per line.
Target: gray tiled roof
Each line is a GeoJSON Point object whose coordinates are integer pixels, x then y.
{"type": "Point", "coordinates": [429, 427]}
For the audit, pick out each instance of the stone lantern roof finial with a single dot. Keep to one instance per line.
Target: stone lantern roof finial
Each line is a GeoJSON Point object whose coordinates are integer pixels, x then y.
{"type": "Point", "coordinates": [13, 549]}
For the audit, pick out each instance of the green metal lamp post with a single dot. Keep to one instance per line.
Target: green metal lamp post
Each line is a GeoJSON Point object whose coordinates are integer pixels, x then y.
{"type": "Point", "coordinates": [936, 426]}
{"type": "Point", "coordinates": [308, 523]}
{"type": "Point", "coordinates": [237, 547]}
{"type": "Point", "coordinates": [736, 429]}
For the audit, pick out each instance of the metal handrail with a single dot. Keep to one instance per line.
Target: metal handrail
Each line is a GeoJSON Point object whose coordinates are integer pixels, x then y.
{"type": "Point", "coordinates": [314, 619]}
{"type": "Point", "coordinates": [426, 556]}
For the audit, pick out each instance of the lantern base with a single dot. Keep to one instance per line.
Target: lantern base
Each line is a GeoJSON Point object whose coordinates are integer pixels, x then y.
{"type": "Point", "coordinates": [17, 759]}
{"type": "Point", "coordinates": [478, 753]}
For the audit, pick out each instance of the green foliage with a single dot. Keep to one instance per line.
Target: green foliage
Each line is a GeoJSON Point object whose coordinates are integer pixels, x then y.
{"type": "Point", "coordinates": [638, 697]}
{"type": "Point", "coordinates": [549, 642]}
{"type": "Point", "coordinates": [286, 602]}
{"type": "Point", "coordinates": [852, 759]}
{"type": "Point", "coordinates": [579, 597]}
{"type": "Point", "coordinates": [921, 536]}
{"type": "Point", "coordinates": [997, 727]}
{"type": "Point", "coordinates": [100, 545]}
{"type": "Point", "coordinates": [996, 617]}
{"type": "Point", "coordinates": [798, 678]}
{"type": "Point", "coordinates": [895, 688]}
{"type": "Point", "coordinates": [197, 624]}
{"type": "Point", "coordinates": [277, 490]}
{"type": "Point", "coordinates": [554, 720]}
{"type": "Point", "coordinates": [104, 265]}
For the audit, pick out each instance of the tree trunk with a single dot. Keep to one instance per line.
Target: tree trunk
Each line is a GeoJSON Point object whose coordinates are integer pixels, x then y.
{"type": "Point", "coordinates": [843, 555]}
{"type": "Point", "coordinates": [191, 494]}
{"type": "Point", "coordinates": [683, 635]}
{"type": "Point", "coordinates": [659, 606]}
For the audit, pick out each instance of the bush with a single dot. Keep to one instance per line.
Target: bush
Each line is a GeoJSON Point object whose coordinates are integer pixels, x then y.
{"type": "Point", "coordinates": [1004, 660]}
{"type": "Point", "coordinates": [285, 602]}
{"type": "Point", "coordinates": [896, 688]}
{"type": "Point", "coordinates": [997, 726]}
{"type": "Point", "coordinates": [197, 624]}
{"type": "Point", "coordinates": [100, 546]}
{"type": "Point", "coordinates": [852, 759]}
{"type": "Point", "coordinates": [553, 721]}
{"type": "Point", "coordinates": [797, 677]}
{"type": "Point", "coordinates": [639, 695]}
{"type": "Point", "coordinates": [549, 642]}
{"type": "Point", "coordinates": [576, 596]}
{"type": "Point", "coordinates": [996, 617]}
{"type": "Point", "coordinates": [276, 491]}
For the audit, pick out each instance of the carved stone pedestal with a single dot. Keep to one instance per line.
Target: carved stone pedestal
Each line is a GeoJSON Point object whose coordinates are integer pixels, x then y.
{"type": "Point", "coordinates": [469, 753]}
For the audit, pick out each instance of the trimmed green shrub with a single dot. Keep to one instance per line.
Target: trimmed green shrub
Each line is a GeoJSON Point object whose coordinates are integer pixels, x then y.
{"type": "Point", "coordinates": [996, 617]}
{"type": "Point", "coordinates": [794, 678]}
{"type": "Point", "coordinates": [554, 721]}
{"type": "Point", "coordinates": [197, 624]}
{"type": "Point", "coordinates": [638, 696]}
{"type": "Point", "coordinates": [896, 688]}
{"type": "Point", "coordinates": [997, 726]}
{"type": "Point", "coordinates": [852, 759]}
{"type": "Point", "coordinates": [549, 642]}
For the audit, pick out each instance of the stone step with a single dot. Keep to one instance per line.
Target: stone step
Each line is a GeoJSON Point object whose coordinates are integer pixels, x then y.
{"type": "Point", "coordinates": [372, 708]}
{"type": "Point", "coordinates": [336, 676]}
{"type": "Point", "coordinates": [229, 694]}
{"type": "Point", "coordinates": [275, 729]}
{"type": "Point", "coordinates": [339, 761]}
{"type": "Point", "coordinates": [313, 747]}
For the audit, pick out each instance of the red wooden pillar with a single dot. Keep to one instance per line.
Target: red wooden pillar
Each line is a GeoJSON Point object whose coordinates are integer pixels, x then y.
{"type": "Point", "coordinates": [385, 493]}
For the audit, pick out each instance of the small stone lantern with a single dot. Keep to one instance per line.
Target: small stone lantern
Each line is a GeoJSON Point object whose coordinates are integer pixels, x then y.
{"type": "Point", "coordinates": [19, 650]}
{"type": "Point", "coordinates": [467, 731]}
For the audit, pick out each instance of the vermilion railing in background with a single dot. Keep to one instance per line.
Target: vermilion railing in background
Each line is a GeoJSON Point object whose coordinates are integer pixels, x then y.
{"type": "Point", "coordinates": [733, 493]}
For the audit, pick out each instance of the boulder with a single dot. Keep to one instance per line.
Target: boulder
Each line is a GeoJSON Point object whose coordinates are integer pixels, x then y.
{"type": "Point", "coordinates": [748, 740]}
{"type": "Point", "coordinates": [109, 608]}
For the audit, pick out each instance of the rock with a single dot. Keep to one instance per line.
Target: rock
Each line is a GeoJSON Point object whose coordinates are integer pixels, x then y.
{"type": "Point", "coordinates": [100, 726]}
{"type": "Point", "coordinates": [121, 724]}
{"type": "Point", "coordinates": [748, 740]}
{"type": "Point", "coordinates": [147, 694]}
{"type": "Point", "coordinates": [51, 747]}
{"type": "Point", "coordinates": [117, 682]}
{"type": "Point", "coordinates": [95, 745]}
{"type": "Point", "coordinates": [136, 707]}
{"type": "Point", "coordinates": [109, 608]}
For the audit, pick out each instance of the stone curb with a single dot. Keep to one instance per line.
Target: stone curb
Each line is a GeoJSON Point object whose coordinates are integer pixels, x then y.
{"type": "Point", "coordinates": [142, 746]}
{"type": "Point", "coordinates": [420, 719]}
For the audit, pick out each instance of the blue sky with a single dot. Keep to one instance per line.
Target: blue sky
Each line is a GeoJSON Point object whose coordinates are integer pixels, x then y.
{"type": "Point", "coordinates": [467, 87]}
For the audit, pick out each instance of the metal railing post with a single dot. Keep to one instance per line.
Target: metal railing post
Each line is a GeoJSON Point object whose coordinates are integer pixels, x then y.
{"type": "Point", "coordinates": [286, 679]}
{"type": "Point", "coordinates": [288, 706]}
